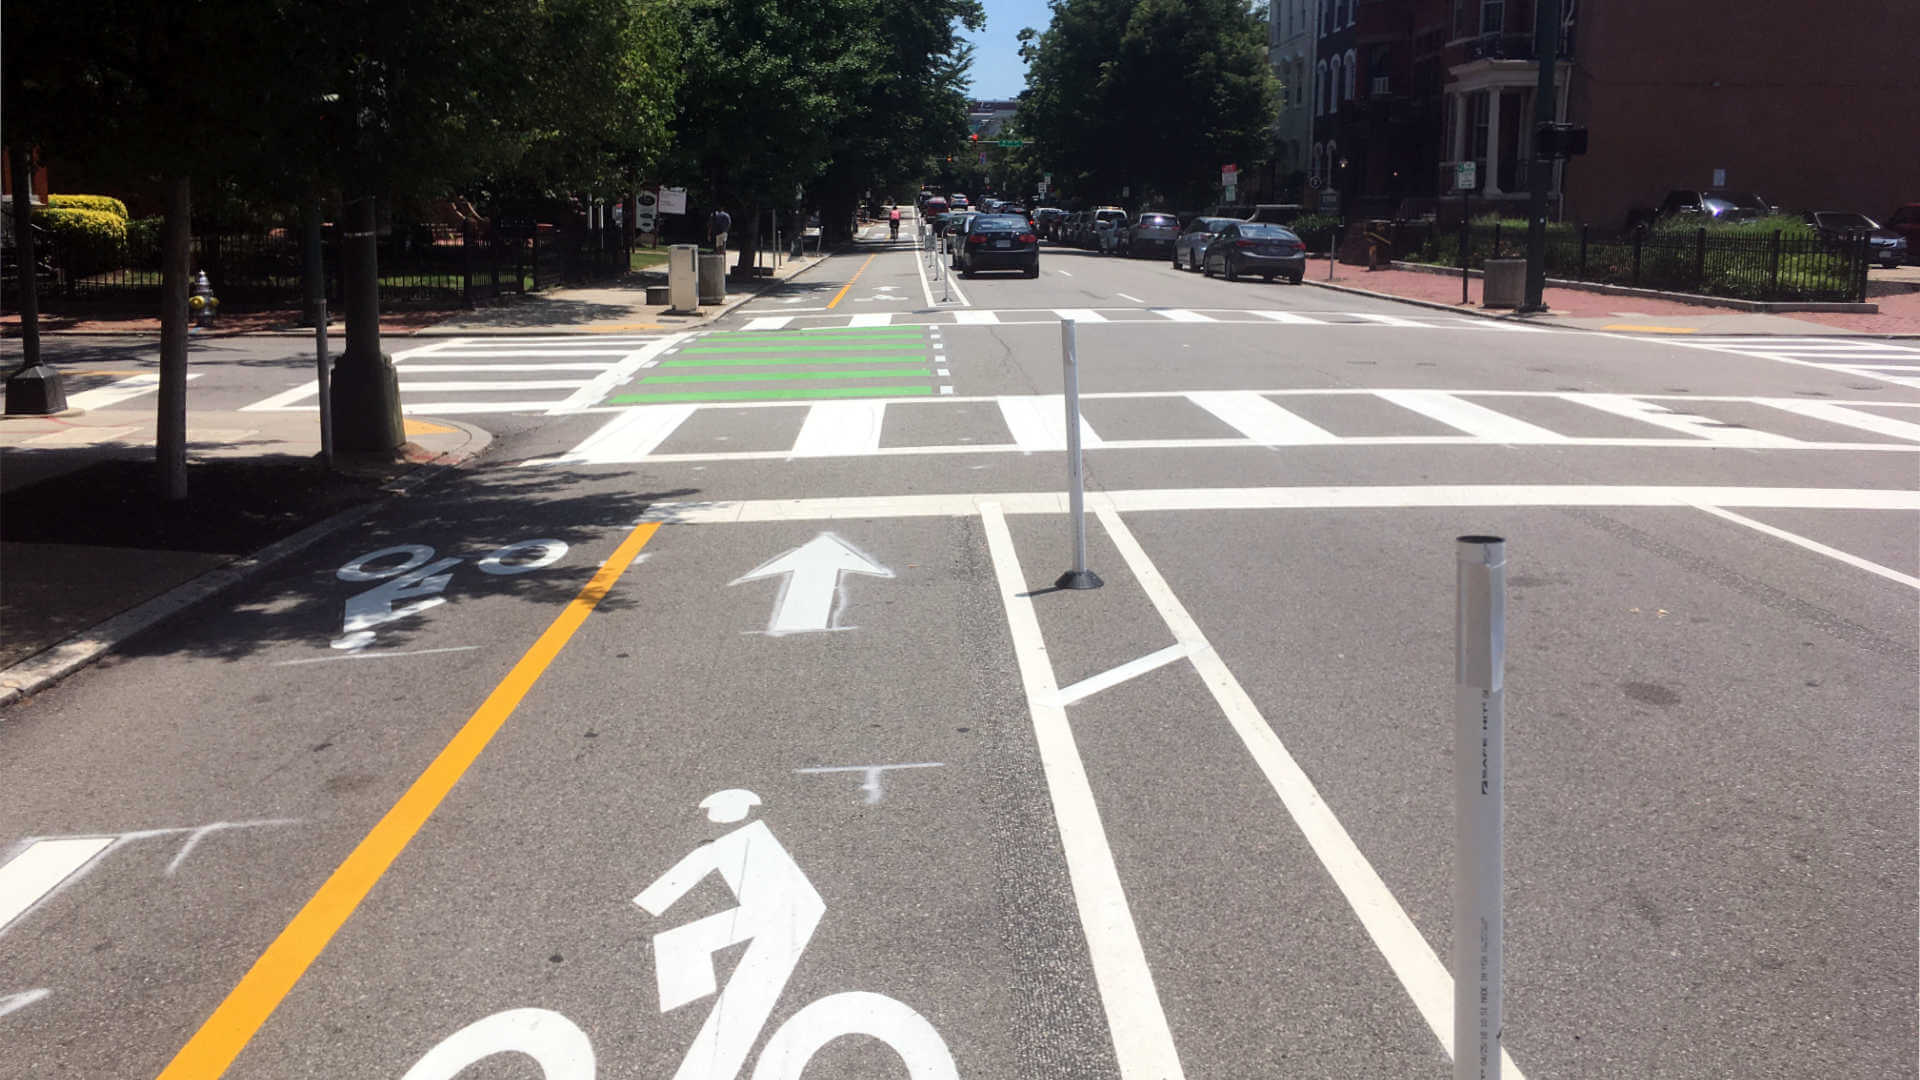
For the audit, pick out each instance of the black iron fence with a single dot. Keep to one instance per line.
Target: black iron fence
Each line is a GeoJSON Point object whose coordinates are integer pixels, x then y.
{"type": "Point", "coordinates": [1775, 267]}
{"type": "Point", "coordinates": [420, 266]}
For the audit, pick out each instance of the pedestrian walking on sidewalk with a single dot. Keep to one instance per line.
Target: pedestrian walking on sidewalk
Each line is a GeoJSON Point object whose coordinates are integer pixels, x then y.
{"type": "Point", "coordinates": [717, 225]}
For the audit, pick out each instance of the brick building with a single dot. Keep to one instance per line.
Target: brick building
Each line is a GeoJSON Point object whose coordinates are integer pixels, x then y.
{"type": "Point", "coordinates": [1711, 93]}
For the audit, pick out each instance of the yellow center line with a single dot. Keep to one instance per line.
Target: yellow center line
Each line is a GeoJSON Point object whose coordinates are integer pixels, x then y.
{"type": "Point", "coordinates": [851, 280]}
{"type": "Point", "coordinates": [212, 1049]}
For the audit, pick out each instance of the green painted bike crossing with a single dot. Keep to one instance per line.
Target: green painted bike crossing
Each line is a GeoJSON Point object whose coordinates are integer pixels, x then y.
{"type": "Point", "coordinates": [799, 365]}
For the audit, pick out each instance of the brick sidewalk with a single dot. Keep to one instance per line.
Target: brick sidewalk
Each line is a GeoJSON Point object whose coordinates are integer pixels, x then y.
{"type": "Point", "coordinates": [1899, 314]}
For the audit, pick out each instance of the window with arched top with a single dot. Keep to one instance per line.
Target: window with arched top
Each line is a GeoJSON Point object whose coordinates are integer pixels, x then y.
{"type": "Point", "coordinates": [1320, 88]}
{"type": "Point", "coordinates": [1314, 169]}
{"type": "Point", "coordinates": [1351, 80]}
{"type": "Point", "coordinates": [1333, 84]}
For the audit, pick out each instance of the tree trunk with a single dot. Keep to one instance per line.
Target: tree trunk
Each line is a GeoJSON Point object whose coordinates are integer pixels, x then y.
{"type": "Point", "coordinates": [176, 253]}
{"type": "Point", "coordinates": [748, 226]}
{"type": "Point", "coordinates": [366, 391]}
{"type": "Point", "coordinates": [24, 254]}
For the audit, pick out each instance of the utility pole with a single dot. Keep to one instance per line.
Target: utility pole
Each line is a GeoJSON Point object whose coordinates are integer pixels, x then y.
{"type": "Point", "coordinates": [33, 388]}
{"type": "Point", "coordinates": [1546, 44]}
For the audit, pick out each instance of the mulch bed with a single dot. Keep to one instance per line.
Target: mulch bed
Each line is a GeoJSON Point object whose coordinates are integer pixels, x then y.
{"type": "Point", "coordinates": [232, 506]}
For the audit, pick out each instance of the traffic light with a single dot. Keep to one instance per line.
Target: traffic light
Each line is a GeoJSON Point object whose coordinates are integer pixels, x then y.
{"type": "Point", "coordinates": [975, 137]}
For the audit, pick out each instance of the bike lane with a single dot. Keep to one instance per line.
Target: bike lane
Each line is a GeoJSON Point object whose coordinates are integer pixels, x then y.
{"type": "Point", "coordinates": [939, 878]}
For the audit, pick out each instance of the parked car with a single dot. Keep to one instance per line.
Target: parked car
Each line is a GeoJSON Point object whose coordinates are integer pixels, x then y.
{"type": "Point", "coordinates": [1109, 224]}
{"type": "Point", "coordinates": [1884, 246]}
{"type": "Point", "coordinates": [1153, 234]}
{"type": "Point", "coordinates": [1252, 247]}
{"type": "Point", "coordinates": [1070, 226]}
{"type": "Point", "coordinates": [1046, 219]}
{"type": "Point", "coordinates": [998, 242]}
{"type": "Point", "coordinates": [1193, 240]}
{"type": "Point", "coordinates": [1716, 204]}
{"type": "Point", "coordinates": [1906, 222]}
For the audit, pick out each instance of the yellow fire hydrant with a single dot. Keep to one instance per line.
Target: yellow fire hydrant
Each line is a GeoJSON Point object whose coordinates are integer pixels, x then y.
{"type": "Point", "coordinates": [203, 305]}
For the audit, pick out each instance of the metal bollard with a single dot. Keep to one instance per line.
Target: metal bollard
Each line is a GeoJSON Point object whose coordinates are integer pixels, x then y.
{"type": "Point", "coordinates": [1079, 577]}
{"type": "Point", "coordinates": [1480, 650]}
{"type": "Point", "coordinates": [324, 376]}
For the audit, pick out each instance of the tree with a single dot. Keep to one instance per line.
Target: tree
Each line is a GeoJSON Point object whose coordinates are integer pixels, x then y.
{"type": "Point", "coordinates": [1152, 95]}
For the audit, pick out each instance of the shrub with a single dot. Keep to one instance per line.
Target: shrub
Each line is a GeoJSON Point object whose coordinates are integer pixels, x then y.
{"type": "Point", "coordinates": [1307, 223]}
{"type": "Point", "coordinates": [105, 203]}
{"type": "Point", "coordinates": [96, 229]}
{"type": "Point", "coordinates": [1789, 226]}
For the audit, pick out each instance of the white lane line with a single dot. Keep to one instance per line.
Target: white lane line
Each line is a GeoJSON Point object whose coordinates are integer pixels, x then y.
{"type": "Point", "coordinates": [1260, 419]}
{"type": "Point", "coordinates": [975, 318]}
{"type": "Point", "coordinates": [769, 322]}
{"type": "Point", "coordinates": [448, 369]}
{"type": "Point", "coordinates": [1039, 422]}
{"type": "Point", "coordinates": [1363, 497]}
{"type": "Point", "coordinates": [1469, 417]}
{"type": "Point", "coordinates": [1124, 296]}
{"type": "Point", "coordinates": [1387, 923]}
{"type": "Point", "coordinates": [1142, 1041]}
{"type": "Point", "coordinates": [40, 869]}
{"type": "Point", "coordinates": [628, 437]}
{"type": "Point", "coordinates": [80, 436]}
{"type": "Point", "coordinates": [1080, 314]}
{"type": "Point", "coordinates": [374, 654]}
{"type": "Point", "coordinates": [1114, 676]}
{"type": "Point", "coordinates": [16, 1002]}
{"type": "Point", "coordinates": [1853, 418]}
{"type": "Point", "coordinates": [840, 428]}
{"type": "Point", "coordinates": [512, 354]}
{"type": "Point", "coordinates": [622, 370]}
{"type": "Point", "coordinates": [1064, 273]}
{"type": "Point", "coordinates": [428, 386]}
{"type": "Point", "coordinates": [437, 408]}
{"type": "Point", "coordinates": [1687, 423]}
{"type": "Point", "coordinates": [1387, 320]}
{"type": "Point", "coordinates": [1180, 315]}
{"type": "Point", "coordinates": [117, 391]}
{"type": "Point", "coordinates": [1815, 546]}
{"type": "Point", "coordinates": [1291, 318]}
{"type": "Point", "coordinates": [881, 319]}
{"type": "Point", "coordinates": [584, 341]}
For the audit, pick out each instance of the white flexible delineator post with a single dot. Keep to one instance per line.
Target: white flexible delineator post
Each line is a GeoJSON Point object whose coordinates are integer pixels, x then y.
{"type": "Point", "coordinates": [1480, 647]}
{"type": "Point", "coordinates": [1079, 577]}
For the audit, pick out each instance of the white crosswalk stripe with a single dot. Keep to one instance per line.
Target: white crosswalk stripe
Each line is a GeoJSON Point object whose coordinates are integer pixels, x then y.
{"type": "Point", "coordinates": [881, 319]}
{"type": "Point", "coordinates": [1180, 315]}
{"type": "Point", "coordinates": [1080, 314]}
{"type": "Point", "coordinates": [971, 317]}
{"type": "Point", "coordinates": [1265, 418]}
{"type": "Point", "coordinates": [1872, 358]}
{"type": "Point", "coordinates": [769, 322]}
{"type": "Point", "coordinates": [502, 374]}
{"type": "Point", "coordinates": [1291, 317]}
{"type": "Point", "coordinates": [1143, 316]}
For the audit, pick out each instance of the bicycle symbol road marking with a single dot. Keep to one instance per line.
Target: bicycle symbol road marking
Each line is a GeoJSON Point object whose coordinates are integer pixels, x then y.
{"type": "Point", "coordinates": [777, 912]}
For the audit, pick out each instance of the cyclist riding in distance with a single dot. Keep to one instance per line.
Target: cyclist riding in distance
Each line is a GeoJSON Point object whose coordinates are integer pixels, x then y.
{"type": "Point", "coordinates": [893, 222]}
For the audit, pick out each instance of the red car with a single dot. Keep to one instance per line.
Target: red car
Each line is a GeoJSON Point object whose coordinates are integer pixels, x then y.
{"type": "Point", "coordinates": [1906, 222]}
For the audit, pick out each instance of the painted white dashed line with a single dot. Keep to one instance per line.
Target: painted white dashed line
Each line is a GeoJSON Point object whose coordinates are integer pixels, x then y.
{"type": "Point", "coordinates": [1124, 296]}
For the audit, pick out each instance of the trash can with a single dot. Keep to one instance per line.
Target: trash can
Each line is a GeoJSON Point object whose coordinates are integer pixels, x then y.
{"type": "Point", "coordinates": [683, 284]}
{"type": "Point", "coordinates": [713, 279]}
{"type": "Point", "coordinates": [1504, 283]}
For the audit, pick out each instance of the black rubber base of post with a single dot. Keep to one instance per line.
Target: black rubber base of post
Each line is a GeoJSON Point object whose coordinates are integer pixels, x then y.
{"type": "Point", "coordinates": [36, 391]}
{"type": "Point", "coordinates": [1079, 579]}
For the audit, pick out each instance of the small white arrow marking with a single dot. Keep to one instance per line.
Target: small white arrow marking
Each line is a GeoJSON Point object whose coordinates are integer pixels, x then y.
{"type": "Point", "coordinates": [812, 572]}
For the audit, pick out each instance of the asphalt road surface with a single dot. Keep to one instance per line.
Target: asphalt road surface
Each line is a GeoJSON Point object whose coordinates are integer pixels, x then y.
{"type": "Point", "coordinates": [725, 721]}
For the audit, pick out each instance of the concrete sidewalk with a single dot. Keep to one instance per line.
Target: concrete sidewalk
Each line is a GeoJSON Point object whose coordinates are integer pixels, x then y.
{"type": "Point", "coordinates": [69, 593]}
{"type": "Point", "coordinates": [1899, 314]}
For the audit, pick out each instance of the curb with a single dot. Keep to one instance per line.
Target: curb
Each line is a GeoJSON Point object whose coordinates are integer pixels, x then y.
{"type": "Point", "coordinates": [1530, 320]}
{"type": "Point", "coordinates": [43, 669]}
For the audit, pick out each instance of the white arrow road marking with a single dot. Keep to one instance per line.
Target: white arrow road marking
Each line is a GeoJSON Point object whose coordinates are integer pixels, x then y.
{"type": "Point", "coordinates": [812, 582]}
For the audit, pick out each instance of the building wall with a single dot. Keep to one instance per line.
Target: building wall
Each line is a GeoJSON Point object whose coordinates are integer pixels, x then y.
{"type": "Point", "coordinates": [1290, 54]}
{"type": "Point", "coordinates": [1809, 106]}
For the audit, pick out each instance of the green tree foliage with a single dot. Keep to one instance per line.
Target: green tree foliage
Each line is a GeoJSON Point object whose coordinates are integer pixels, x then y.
{"type": "Point", "coordinates": [1154, 95]}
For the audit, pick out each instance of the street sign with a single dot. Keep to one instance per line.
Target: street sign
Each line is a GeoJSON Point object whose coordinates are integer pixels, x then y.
{"type": "Point", "coordinates": [1316, 183]}
{"type": "Point", "coordinates": [673, 200]}
{"type": "Point", "coordinates": [1227, 173]}
{"type": "Point", "coordinates": [1012, 142]}
{"type": "Point", "coordinates": [1466, 175]}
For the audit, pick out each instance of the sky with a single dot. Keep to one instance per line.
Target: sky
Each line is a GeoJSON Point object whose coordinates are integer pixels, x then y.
{"type": "Point", "coordinates": [997, 70]}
